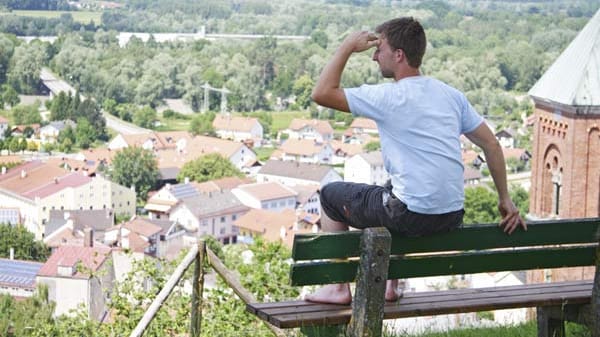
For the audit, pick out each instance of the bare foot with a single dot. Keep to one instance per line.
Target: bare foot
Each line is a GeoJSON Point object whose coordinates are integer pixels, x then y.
{"type": "Point", "coordinates": [392, 292]}
{"type": "Point", "coordinates": [331, 293]}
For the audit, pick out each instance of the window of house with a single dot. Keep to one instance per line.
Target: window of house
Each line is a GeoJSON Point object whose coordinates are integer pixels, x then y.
{"type": "Point", "coordinates": [222, 219]}
{"type": "Point", "coordinates": [222, 230]}
{"type": "Point", "coordinates": [234, 217]}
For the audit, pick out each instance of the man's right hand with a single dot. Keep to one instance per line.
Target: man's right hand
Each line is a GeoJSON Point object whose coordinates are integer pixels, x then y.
{"type": "Point", "coordinates": [511, 219]}
{"type": "Point", "coordinates": [360, 41]}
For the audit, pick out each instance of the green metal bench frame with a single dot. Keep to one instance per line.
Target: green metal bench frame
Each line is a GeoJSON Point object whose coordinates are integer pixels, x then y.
{"type": "Point", "coordinates": [325, 258]}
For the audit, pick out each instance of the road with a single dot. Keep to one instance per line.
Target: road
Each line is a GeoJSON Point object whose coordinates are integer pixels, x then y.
{"type": "Point", "coordinates": [123, 127]}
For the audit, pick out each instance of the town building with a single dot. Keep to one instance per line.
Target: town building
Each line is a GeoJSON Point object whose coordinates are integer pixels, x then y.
{"type": "Point", "coordinates": [366, 168]}
{"type": "Point", "coordinates": [292, 173]}
{"type": "Point", "coordinates": [36, 188]}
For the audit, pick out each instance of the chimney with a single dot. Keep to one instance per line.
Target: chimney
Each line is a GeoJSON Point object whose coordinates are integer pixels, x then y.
{"type": "Point", "coordinates": [23, 174]}
{"type": "Point", "coordinates": [56, 180]}
{"type": "Point", "coordinates": [186, 180]}
{"type": "Point", "coordinates": [12, 253]}
{"type": "Point", "coordinates": [88, 237]}
{"type": "Point", "coordinates": [3, 170]}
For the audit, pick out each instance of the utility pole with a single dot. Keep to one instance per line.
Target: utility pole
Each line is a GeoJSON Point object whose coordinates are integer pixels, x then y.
{"type": "Point", "coordinates": [224, 92]}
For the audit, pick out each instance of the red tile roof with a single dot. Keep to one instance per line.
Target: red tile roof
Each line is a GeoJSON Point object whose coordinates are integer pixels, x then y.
{"type": "Point", "coordinates": [91, 258]}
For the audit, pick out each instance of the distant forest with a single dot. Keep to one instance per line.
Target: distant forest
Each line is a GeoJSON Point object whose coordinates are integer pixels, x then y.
{"type": "Point", "coordinates": [494, 51]}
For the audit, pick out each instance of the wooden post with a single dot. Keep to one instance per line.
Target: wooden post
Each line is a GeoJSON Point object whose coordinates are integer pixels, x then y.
{"type": "Point", "coordinates": [197, 291]}
{"type": "Point", "coordinates": [549, 326]}
{"type": "Point", "coordinates": [595, 301]}
{"type": "Point", "coordinates": [164, 293]}
{"type": "Point", "coordinates": [232, 281]}
{"type": "Point", "coordinates": [367, 308]}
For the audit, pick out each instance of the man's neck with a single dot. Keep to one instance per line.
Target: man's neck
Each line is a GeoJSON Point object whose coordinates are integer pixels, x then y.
{"type": "Point", "coordinates": [406, 72]}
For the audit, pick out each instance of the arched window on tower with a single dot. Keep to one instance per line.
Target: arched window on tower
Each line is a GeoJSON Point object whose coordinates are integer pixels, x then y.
{"type": "Point", "coordinates": [557, 185]}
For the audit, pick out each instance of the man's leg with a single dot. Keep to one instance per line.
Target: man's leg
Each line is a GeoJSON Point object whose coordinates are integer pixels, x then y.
{"type": "Point", "coordinates": [340, 293]}
{"type": "Point", "coordinates": [331, 293]}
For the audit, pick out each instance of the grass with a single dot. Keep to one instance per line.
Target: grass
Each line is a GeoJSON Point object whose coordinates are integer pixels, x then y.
{"type": "Point", "coordinates": [78, 16]}
{"type": "Point", "coordinates": [281, 120]}
{"type": "Point", "coordinates": [528, 329]}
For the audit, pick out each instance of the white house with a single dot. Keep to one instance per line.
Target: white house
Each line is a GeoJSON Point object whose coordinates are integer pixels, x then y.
{"type": "Point", "coordinates": [273, 196]}
{"type": "Point", "coordinates": [292, 173]}
{"type": "Point", "coordinates": [70, 286]}
{"type": "Point", "coordinates": [210, 214]}
{"type": "Point", "coordinates": [307, 151]}
{"type": "Point", "coordinates": [308, 199]}
{"type": "Point", "coordinates": [506, 138]}
{"type": "Point", "coordinates": [160, 204]}
{"type": "Point", "coordinates": [366, 168]}
{"type": "Point", "coordinates": [238, 129]}
{"type": "Point", "coordinates": [49, 133]}
{"type": "Point", "coordinates": [314, 129]}
{"type": "Point", "coordinates": [362, 125]}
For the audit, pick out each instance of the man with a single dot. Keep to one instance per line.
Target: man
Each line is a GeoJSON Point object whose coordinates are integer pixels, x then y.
{"type": "Point", "coordinates": [420, 121]}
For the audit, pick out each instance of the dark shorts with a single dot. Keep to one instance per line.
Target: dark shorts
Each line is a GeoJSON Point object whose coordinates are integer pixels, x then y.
{"type": "Point", "coordinates": [362, 206]}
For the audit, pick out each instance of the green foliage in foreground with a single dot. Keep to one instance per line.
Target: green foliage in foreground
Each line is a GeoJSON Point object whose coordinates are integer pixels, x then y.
{"type": "Point", "coordinates": [264, 274]}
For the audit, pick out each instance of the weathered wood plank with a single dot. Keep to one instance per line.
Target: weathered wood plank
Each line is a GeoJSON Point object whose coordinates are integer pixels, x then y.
{"type": "Point", "coordinates": [336, 271]}
{"type": "Point", "coordinates": [430, 306]}
{"type": "Point", "coordinates": [434, 297]}
{"type": "Point", "coordinates": [367, 309]}
{"type": "Point", "coordinates": [489, 236]}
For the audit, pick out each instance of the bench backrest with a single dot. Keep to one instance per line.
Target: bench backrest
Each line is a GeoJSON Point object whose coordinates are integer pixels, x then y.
{"type": "Point", "coordinates": [324, 258]}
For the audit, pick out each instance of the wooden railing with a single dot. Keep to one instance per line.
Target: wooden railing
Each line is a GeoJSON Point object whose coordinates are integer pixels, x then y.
{"type": "Point", "coordinates": [197, 255]}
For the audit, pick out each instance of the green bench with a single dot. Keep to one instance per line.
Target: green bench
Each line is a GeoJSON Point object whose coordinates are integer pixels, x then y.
{"type": "Point", "coordinates": [325, 258]}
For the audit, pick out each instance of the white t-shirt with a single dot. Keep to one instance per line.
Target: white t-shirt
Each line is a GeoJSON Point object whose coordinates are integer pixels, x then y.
{"type": "Point", "coordinates": [420, 120]}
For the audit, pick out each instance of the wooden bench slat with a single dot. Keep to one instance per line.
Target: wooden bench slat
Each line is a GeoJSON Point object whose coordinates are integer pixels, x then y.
{"type": "Point", "coordinates": [342, 245]}
{"type": "Point", "coordinates": [434, 303]}
{"type": "Point", "coordinates": [452, 295]}
{"type": "Point", "coordinates": [340, 271]}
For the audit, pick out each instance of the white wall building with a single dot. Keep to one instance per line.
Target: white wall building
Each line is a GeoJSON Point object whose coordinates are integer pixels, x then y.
{"type": "Point", "coordinates": [366, 168]}
{"type": "Point", "coordinates": [272, 196]}
{"type": "Point", "coordinates": [292, 173]}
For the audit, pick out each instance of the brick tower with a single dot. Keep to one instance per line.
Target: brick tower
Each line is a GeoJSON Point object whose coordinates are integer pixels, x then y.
{"type": "Point", "coordinates": [565, 180]}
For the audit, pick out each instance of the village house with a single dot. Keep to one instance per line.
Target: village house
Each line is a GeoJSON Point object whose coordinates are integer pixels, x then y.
{"type": "Point", "coordinates": [313, 129]}
{"type": "Point", "coordinates": [66, 227]}
{"type": "Point", "coordinates": [174, 149]}
{"type": "Point", "coordinates": [306, 151]}
{"type": "Point", "coordinates": [137, 235]}
{"type": "Point", "coordinates": [49, 133]}
{"type": "Point", "coordinates": [274, 226]}
{"type": "Point", "coordinates": [272, 195]}
{"type": "Point", "coordinates": [238, 129]}
{"type": "Point", "coordinates": [37, 188]}
{"type": "Point", "coordinates": [362, 125]}
{"type": "Point", "coordinates": [211, 214]}
{"type": "Point", "coordinates": [506, 138]}
{"type": "Point", "coordinates": [294, 173]}
{"type": "Point", "coordinates": [17, 278]}
{"type": "Point", "coordinates": [343, 151]}
{"type": "Point", "coordinates": [366, 168]}
{"type": "Point", "coordinates": [472, 176]}
{"type": "Point", "coordinates": [79, 275]}
{"type": "Point", "coordinates": [308, 199]}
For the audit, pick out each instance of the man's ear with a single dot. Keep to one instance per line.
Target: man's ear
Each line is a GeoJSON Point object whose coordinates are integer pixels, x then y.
{"type": "Point", "coordinates": [400, 56]}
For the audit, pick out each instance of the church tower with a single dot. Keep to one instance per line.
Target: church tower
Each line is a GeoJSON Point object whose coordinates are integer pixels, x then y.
{"type": "Point", "coordinates": [565, 180]}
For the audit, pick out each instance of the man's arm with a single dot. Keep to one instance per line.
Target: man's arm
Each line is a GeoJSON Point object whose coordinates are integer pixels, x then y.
{"type": "Point", "coordinates": [328, 92]}
{"type": "Point", "coordinates": [485, 139]}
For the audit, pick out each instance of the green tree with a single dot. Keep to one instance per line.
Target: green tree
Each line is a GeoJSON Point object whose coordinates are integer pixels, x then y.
{"type": "Point", "coordinates": [145, 117]}
{"type": "Point", "coordinates": [85, 133]}
{"type": "Point", "coordinates": [481, 205]}
{"type": "Point", "coordinates": [208, 167]}
{"type": "Point", "coordinates": [14, 145]}
{"type": "Point", "coordinates": [372, 146]}
{"type": "Point", "coordinates": [29, 58]}
{"type": "Point", "coordinates": [202, 124]}
{"type": "Point", "coordinates": [10, 95]}
{"type": "Point", "coordinates": [134, 166]}
{"type": "Point", "coordinates": [302, 89]}
{"type": "Point", "coordinates": [23, 242]}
